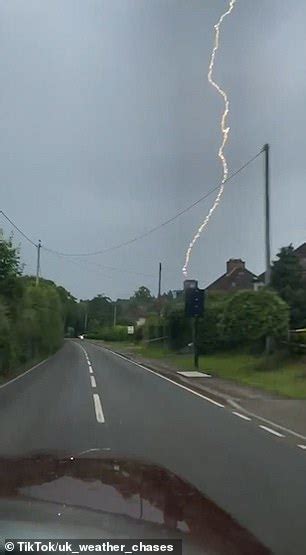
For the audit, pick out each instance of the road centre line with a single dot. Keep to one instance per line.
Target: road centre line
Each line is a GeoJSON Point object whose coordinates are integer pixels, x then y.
{"type": "Point", "coordinates": [93, 381]}
{"type": "Point", "coordinates": [98, 409]}
{"type": "Point", "coordinates": [271, 431]}
{"type": "Point", "coordinates": [274, 432]}
{"type": "Point", "coordinates": [241, 415]}
{"type": "Point", "coordinates": [90, 370]}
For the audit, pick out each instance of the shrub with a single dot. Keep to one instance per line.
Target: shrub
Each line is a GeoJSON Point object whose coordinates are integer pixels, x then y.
{"type": "Point", "coordinates": [154, 327]}
{"type": "Point", "coordinates": [179, 330]}
{"type": "Point", "coordinates": [251, 316]}
{"type": "Point", "coordinates": [139, 333]}
{"type": "Point", "coordinates": [210, 332]}
{"type": "Point", "coordinates": [117, 333]}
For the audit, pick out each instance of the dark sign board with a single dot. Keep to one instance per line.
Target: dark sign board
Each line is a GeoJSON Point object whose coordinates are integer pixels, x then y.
{"type": "Point", "coordinates": [194, 302]}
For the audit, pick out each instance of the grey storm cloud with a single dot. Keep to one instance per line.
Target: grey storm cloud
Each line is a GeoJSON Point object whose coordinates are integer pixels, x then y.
{"type": "Point", "coordinates": [109, 127]}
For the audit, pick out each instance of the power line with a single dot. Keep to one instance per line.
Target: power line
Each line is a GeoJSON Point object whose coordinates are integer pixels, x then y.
{"type": "Point", "coordinates": [100, 267]}
{"type": "Point", "coordinates": [87, 267]}
{"type": "Point", "coordinates": [142, 235]}
{"type": "Point", "coordinates": [18, 229]}
{"type": "Point", "coordinates": [161, 225]}
{"type": "Point", "coordinates": [62, 255]}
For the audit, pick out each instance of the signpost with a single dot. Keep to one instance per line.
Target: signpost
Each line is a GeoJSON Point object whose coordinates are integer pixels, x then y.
{"type": "Point", "coordinates": [194, 308]}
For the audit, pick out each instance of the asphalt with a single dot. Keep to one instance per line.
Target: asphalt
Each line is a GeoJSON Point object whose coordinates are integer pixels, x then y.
{"type": "Point", "coordinates": [257, 477]}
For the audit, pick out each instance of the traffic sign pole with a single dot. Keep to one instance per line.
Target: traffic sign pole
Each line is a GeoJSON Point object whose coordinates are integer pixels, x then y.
{"type": "Point", "coordinates": [195, 341]}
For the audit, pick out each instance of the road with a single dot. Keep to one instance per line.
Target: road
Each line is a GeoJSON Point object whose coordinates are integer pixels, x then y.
{"type": "Point", "coordinates": [85, 397]}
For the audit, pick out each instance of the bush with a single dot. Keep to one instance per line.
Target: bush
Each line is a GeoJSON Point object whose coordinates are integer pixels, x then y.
{"type": "Point", "coordinates": [139, 333]}
{"type": "Point", "coordinates": [251, 316]}
{"type": "Point", "coordinates": [179, 330]}
{"type": "Point", "coordinates": [39, 329]}
{"type": "Point", "coordinates": [31, 318]}
{"type": "Point", "coordinates": [36, 331]}
{"type": "Point", "coordinates": [118, 333]}
{"type": "Point", "coordinates": [210, 331]}
{"type": "Point", "coordinates": [154, 327]}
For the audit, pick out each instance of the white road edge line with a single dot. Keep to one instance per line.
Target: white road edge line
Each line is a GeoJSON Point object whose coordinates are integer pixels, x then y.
{"type": "Point", "coordinates": [90, 370]}
{"type": "Point", "coordinates": [270, 422]}
{"type": "Point", "coordinates": [26, 372]}
{"type": "Point", "coordinates": [302, 447]}
{"type": "Point", "coordinates": [93, 381]}
{"type": "Point", "coordinates": [271, 431]}
{"type": "Point", "coordinates": [163, 377]}
{"type": "Point", "coordinates": [98, 408]}
{"type": "Point", "coordinates": [241, 415]}
{"type": "Point", "coordinates": [233, 403]}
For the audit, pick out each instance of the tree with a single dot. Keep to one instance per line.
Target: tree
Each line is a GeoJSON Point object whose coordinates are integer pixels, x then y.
{"type": "Point", "coordinates": [250, 316]}
{"type": "Point", "coordinates": [287, 280]}
{"type": "Point", "coordinates": [39, 329]}
{"type": "Point", "coordinates": [100, 312]}
{"type": "Point", "coordinates": [10, 272]}
{"type": "Point", "coordinates": [9, 259]}
{"type": "Point", "coordinates": [142, 295]}
{"type": "Point", "coordinates": [70, 308]}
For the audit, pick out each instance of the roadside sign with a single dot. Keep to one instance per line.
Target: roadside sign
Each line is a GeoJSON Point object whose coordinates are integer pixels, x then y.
{"type": "Point", "coordinates": [130, 330]}
{"type": "Point", "coordinates": [194, 302]}
{"type": "Point", "coordinates": [190, 284]}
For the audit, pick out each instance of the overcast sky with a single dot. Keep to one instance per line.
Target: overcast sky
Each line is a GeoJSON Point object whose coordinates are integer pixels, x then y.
{"type": "Point", "coordinates": [109, 126]}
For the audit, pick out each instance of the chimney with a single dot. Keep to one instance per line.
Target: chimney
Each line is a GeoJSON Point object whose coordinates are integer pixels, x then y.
{"type": "Point", "coordinates": [234, 264]}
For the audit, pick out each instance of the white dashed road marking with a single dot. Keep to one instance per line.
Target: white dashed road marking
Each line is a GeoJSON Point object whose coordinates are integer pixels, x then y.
{"type": "Point", "coordinates": [101, 419]}
{"type": "Point", "coordinates": [271, 431]}
{"type": "Point", "coordinates": [96, 399]}
{"type": "Point", "coordinates": [98, 408]}
{"type": "Point", "coordinates": [241, 415]}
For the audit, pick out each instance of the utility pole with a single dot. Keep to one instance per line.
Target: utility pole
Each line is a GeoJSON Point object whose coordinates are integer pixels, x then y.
{"type": "Point", "coordinates": [159, 280]}
{"type": "Point", "coordinates": [85, 321]}
{"type": "Point", "coordinates": [115, 314]}
{"type": "Point", "coordinates": [266, 149]}
{"type": "Point", "coordinates": [38, 262]}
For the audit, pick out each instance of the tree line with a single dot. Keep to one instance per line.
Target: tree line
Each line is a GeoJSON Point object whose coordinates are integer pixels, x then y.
{"type": "Point", "coordinates": [241, 319]}
{"type": "Point", "coordinates": [34, 320]}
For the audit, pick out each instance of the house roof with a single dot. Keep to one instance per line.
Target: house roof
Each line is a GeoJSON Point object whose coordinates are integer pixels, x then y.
{"type": "Point", "coordinates": [301, 250]}
{"type": "Point", "coordinates": [238, 278]}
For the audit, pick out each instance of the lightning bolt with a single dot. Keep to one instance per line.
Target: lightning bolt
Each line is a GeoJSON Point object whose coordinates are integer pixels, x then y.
{"type": "Point", "coordinates": [225, 133]}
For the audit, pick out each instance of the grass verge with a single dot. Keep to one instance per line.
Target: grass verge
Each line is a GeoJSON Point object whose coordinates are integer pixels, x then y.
{"type": "Point", "coordinates": [277, 373]}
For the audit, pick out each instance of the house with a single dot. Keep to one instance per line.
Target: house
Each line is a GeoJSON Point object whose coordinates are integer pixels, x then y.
{"type": "Point", "coordinates": [236, 278]}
